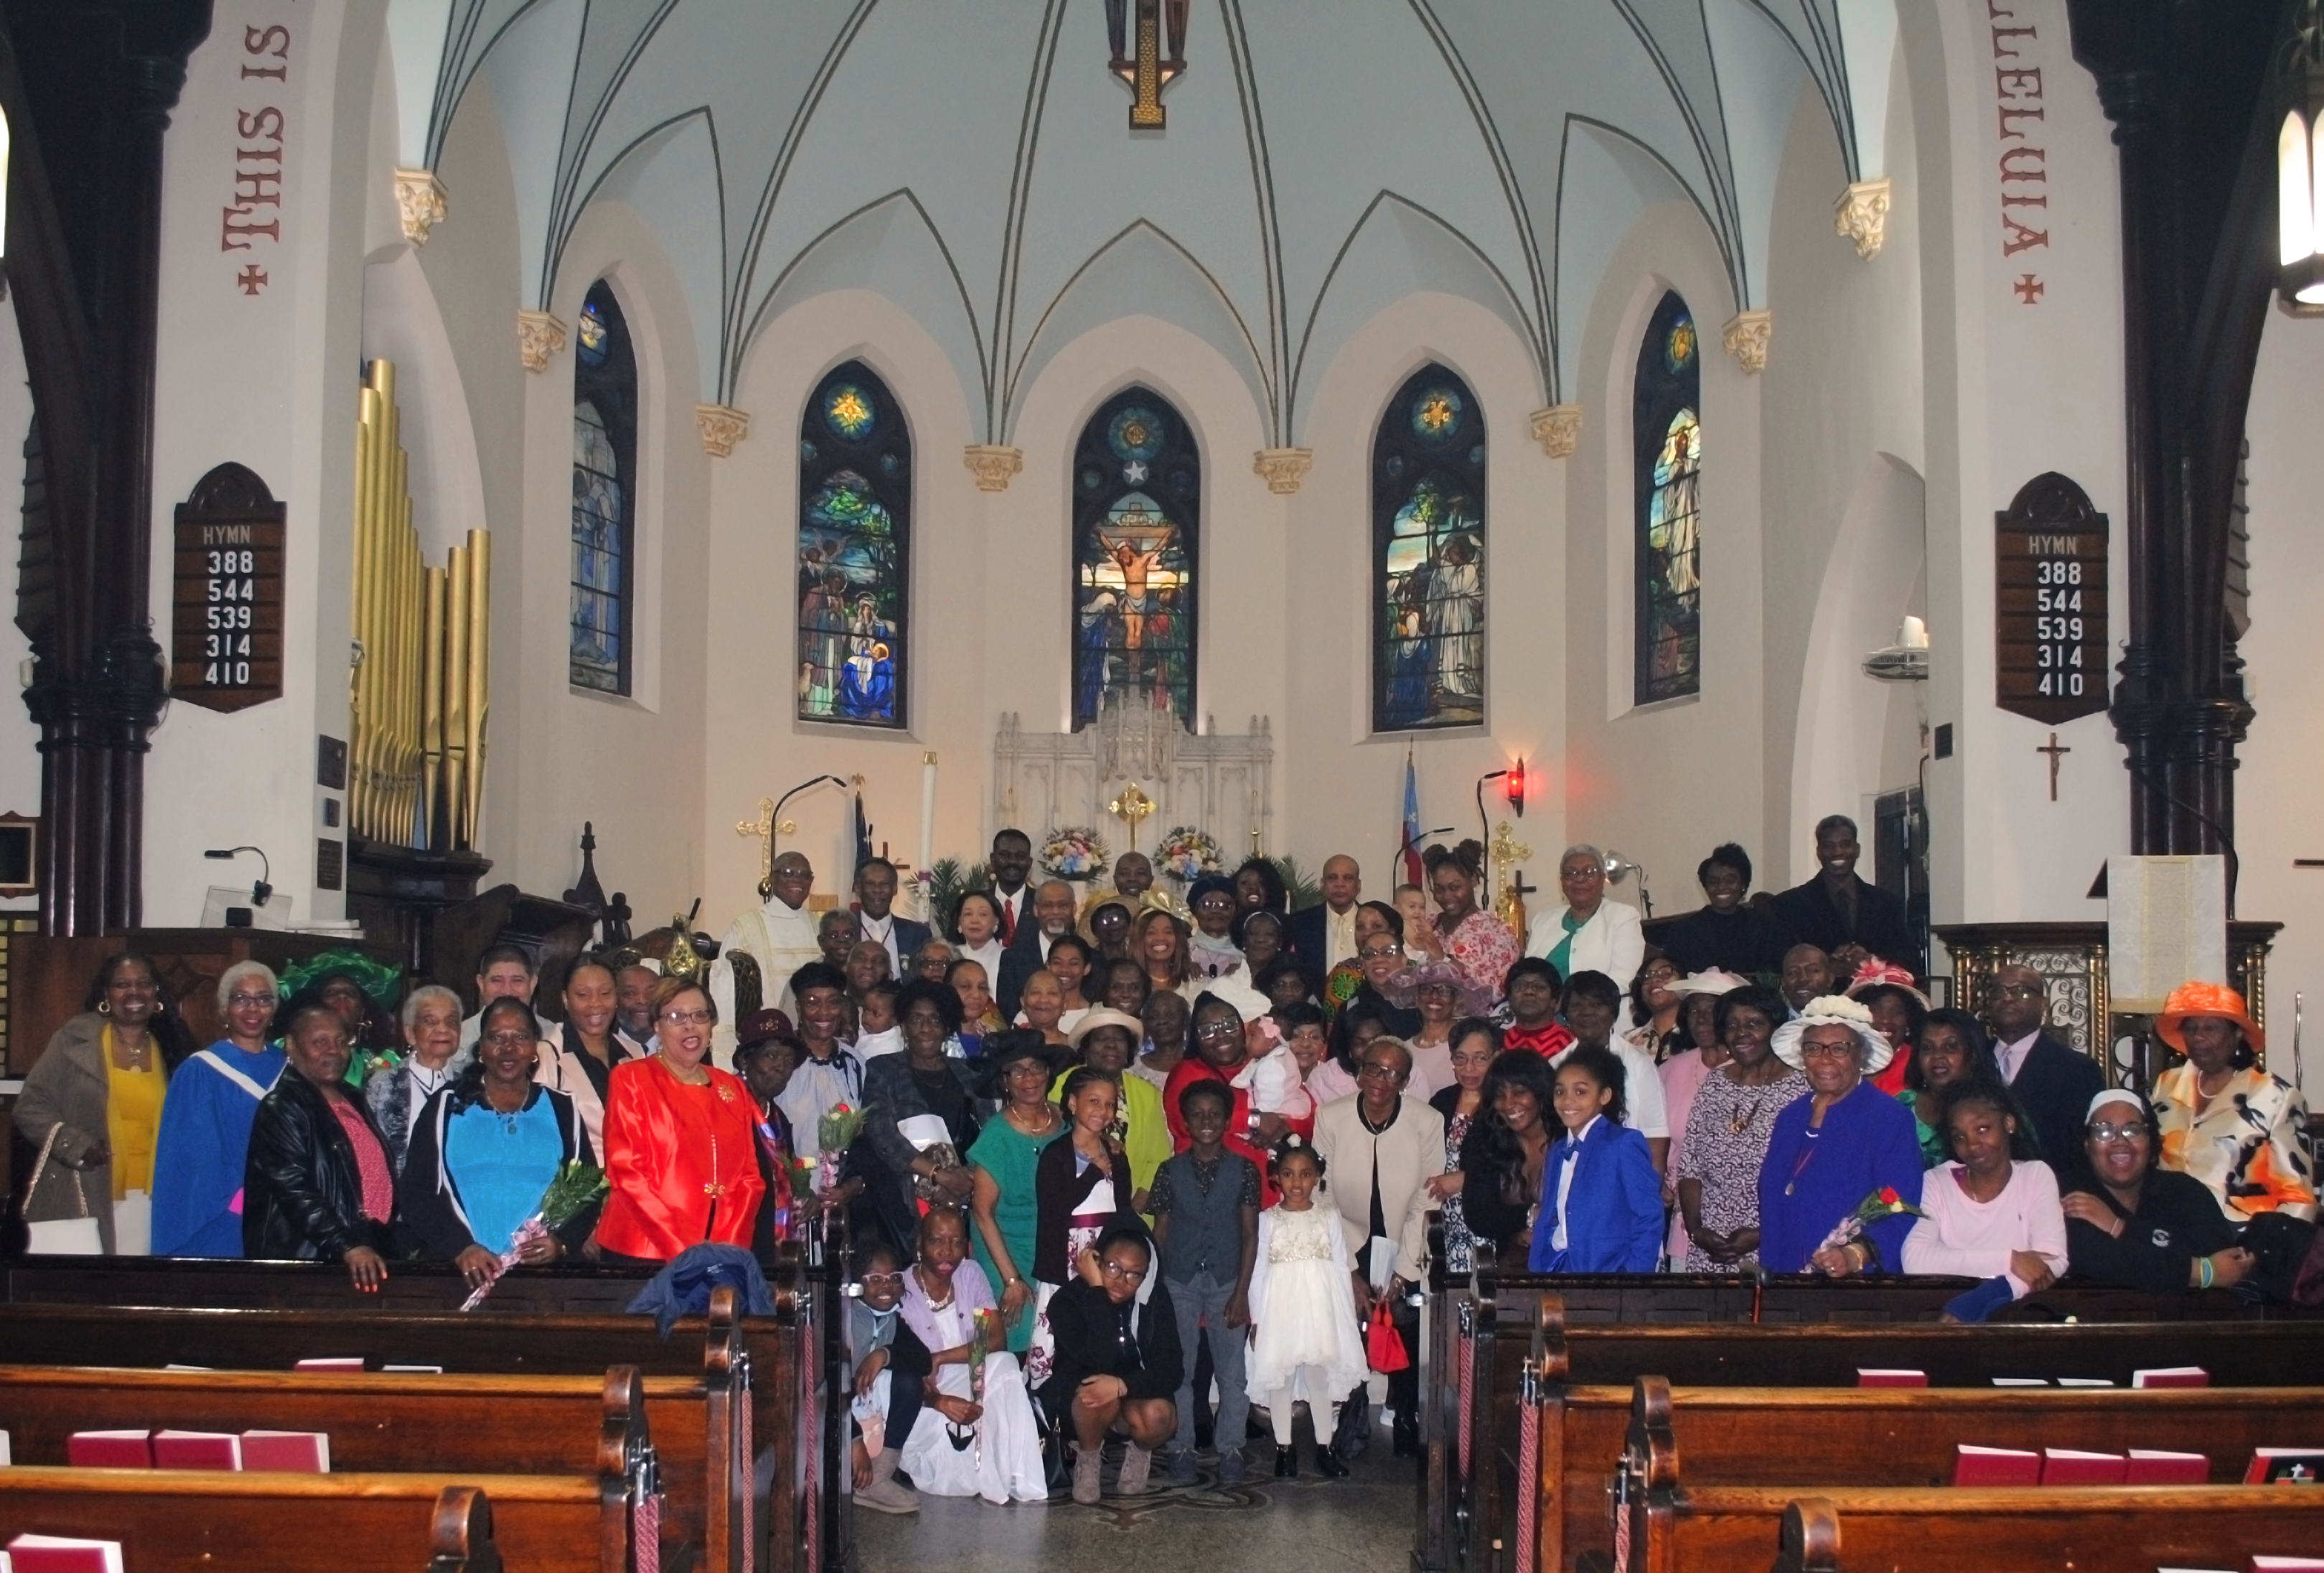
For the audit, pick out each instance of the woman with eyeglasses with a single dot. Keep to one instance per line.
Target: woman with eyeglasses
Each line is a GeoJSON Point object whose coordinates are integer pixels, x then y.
{"type": "Point", "coordinates": [2131, 1222]}
{"type": "Point", "coordinates": [206, 1121]}
{"type": "Point", "coordinates": [681, 1141]}
{"type": "Point", "coordinates": [434, 1057]}
{"type": "Point", "coordinates": [1117, 1360]}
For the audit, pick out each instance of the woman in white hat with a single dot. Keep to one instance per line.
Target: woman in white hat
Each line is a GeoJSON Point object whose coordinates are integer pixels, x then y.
{"type": "Point", "coordinates": [1845, 1142]}
{"type": "Point", "coordinates": [2133, 1223]}
{"type": "Point", "coordinates": [1106, 1040]}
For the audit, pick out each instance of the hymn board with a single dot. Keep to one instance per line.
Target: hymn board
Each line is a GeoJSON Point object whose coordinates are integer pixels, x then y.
{"type": "Point", "coordinates": [225, 647]}
{"type": "Point", "coordinates": [2050, 603]}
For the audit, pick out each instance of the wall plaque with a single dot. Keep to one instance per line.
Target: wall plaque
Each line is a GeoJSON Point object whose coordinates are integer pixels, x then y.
{"type": "Point", "coordinates": [2050, 603]}
{"type": "Point", "coordinates": [225, 650]}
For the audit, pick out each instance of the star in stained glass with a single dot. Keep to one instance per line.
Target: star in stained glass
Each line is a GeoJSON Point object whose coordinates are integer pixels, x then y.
{"type": "Point", "coordinates": [1435, 413]}
{"type": "Point", "coordinates": [1134, 473]}
{"type": "Point", "coordinates": [848, 413]}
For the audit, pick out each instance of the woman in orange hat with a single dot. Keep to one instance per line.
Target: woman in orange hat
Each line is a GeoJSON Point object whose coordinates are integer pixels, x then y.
{"type": "Point", "coordinates": [2224, 1121]}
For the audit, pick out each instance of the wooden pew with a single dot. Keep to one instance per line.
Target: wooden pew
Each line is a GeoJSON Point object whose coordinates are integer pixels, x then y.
{"type": "Point", "coordinates": [231, 1314]}
{"type": "Point", "coordinates": [460, 1537]}
{"type": "Point", "coordinates": [1799, 1438]}
{"type": "Point", "coordinates": [1888, 1530]}
{"type": "Point", "coordinates": [190, 1520]}
{"type": "Point", "coordinates": [1475, 1517]}
{"type": "Point", "coordinates": [587, 1516]}
{"type": "Point", "coordinates": [407, 1423]}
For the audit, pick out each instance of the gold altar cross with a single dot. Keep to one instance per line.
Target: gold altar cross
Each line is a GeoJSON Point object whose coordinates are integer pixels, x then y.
{"type": "Point", "coordinates": [1130, 807]}
{"type": "Point", "coordinates": [2054, 750]}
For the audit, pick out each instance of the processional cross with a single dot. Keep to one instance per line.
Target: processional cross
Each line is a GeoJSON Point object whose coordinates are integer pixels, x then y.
{"type": "Point", "coordinates": [1129, 808]}
{"type": "Point", "coordinates": [765, 828]}
{"type": "Point", "coordinates": [1138, 57]}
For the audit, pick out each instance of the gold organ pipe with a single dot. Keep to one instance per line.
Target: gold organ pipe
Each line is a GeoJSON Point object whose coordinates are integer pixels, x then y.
{"type": "Point", "coordinates": [416, 701]}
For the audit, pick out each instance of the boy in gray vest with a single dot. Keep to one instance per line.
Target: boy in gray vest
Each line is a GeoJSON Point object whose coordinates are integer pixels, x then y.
{"type": "Point", "coordinates": [1205, 1206]}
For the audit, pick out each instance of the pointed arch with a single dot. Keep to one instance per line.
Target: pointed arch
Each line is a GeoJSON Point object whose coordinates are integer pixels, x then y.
{"type": "Point", "coordinates": [1137, 487]}
{"type": "Point", "coordinates": [854, 552]}
{"type": "Point", "coordinates": [1666, 436]}
{"type": "Point", "coordinates": [1428, 556]}
{"type": "Point", "coordinates": [604, 496]}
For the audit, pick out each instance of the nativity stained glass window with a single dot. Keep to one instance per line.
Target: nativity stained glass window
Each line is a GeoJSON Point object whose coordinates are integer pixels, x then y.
{"type": "Point", "coordinates": [1667, 429]}
{"type": "Point", "coordinates": [1428, 547]}
{"type": "Point", "coordinates": [854, 551]}
{"type": "Point", "coordinates": [1138, 503]}
{"type": "Point", "coordinates": [604, 494]}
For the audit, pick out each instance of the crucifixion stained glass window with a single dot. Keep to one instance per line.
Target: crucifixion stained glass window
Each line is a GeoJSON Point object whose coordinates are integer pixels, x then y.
{"type": "Point", "coordinates": [1428, 543]}
{"type": "Point", "coordinates": [604, 494]}
{"type": "Point", "coordinates": [854, 551]}
{"type": "Point", "coordinates": [1666, 427]}
{"type": "Point", "coordinates": [1137, 501]}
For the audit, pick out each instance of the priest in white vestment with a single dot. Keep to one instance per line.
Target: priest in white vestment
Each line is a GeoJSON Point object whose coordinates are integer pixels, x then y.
{"type": "Point", "coordinates": [779, 935]}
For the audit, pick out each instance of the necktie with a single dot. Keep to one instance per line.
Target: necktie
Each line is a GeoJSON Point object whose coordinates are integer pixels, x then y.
{"type": "Point", "coordinates": [1008, 921]}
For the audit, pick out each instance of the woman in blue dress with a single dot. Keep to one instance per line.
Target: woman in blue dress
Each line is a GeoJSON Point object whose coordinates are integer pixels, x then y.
{"type": "Point", "coordinates": [206, 1121]}
{"type": "Point", "coordinates": [1832, 1150]}
{"type": "Point", "coordinates": [484, 1152]}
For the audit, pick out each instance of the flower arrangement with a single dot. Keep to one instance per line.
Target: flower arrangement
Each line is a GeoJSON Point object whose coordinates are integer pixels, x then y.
{"type": "Point", "coordinates": [578, 1187]}
{"type": "Point", "coordinates": [1883, 1203]}
{"type": "Point", "coordinates": [834, 1133]}
{"type": "Point", "coordinates": [1186, 852]}
{"type": "Point", "coordinates": [1075, 851]}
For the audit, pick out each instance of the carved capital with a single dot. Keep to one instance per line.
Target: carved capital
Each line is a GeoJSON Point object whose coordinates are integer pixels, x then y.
{"type": "Point", "coordinates": [1284, 468]}
{"type": "Point", "coordinates": [1861, 215]}
{"type": "Point", "coordinates": [539, 336]}
{"type": "Point", "coordinates": [722, 427]}
{"type": "Point", "coordinates": [419, 201]}
{"type": "Point", "coordinates": [992, 465]}
{"type": "Point", "coordinates": [1558, 429]}
{"type": "Point", "coordinates": [1745, 337]}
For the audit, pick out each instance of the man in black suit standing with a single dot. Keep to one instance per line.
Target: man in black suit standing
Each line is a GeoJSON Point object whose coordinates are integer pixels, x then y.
{"type": "Point", "coordinates": [1324, 935]}
{"type": "Point", "coordinates": [875, 898]}
{"type": "Point", "coordinates": [1010, 861]}
{"type": "Point", "coordinates": [1052, 920]}
{"type": "Point", "coordinates": [2053, 1084]}
{"type": "Point", "coordinates": [1841, 914]}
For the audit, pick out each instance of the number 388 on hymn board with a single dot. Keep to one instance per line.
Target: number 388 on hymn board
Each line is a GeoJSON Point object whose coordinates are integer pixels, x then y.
{"type": "Point", "coordinates": [226, 593]}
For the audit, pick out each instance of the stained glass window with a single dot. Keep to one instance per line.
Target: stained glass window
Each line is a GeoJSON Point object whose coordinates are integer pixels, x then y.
{"type": "Point", "coordinates": [1137, 501]}
{"type": "Point", "coordinates": [1667, 429]}
{"type": "Point", "coordinates": [604, 501]}
{"type": "Point", "coordinates": [854, 538]}
{"type": "Point", "coordinates": [1428, 545]}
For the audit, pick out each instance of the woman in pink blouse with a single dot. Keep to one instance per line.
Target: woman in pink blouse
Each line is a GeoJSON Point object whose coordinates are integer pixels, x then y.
{"type": "Point", "coordinates": [1476, 941]}
{"type": "Point", "coordinates": [1993, 1214]}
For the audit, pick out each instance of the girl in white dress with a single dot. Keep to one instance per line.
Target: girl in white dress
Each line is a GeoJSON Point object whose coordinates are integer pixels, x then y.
{"type": "Point", "coordinates": [1303, 1338]}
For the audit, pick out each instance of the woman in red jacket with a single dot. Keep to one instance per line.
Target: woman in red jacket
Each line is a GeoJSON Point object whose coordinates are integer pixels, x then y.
{"type": "Point", "coordinates": [681, 1142]}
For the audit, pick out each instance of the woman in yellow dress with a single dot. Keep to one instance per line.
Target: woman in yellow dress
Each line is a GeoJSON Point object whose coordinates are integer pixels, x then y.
{"type": "Point", "coordinates": [2224, 1121]}
{"type": "Point", "coordinates": [99, 1087]}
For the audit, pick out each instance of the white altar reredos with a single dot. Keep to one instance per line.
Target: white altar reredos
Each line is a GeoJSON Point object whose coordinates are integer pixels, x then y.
{"type": "Point", "coordinates": [1220, 783]}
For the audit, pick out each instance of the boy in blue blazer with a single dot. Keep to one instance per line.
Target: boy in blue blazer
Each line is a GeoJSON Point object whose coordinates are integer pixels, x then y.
{"type": "Point", "coordinates": [1601, 1201]}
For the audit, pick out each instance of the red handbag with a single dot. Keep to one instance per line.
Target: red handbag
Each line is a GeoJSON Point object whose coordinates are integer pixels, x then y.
{"type": "Point", "coordinates": [1382, 1348]}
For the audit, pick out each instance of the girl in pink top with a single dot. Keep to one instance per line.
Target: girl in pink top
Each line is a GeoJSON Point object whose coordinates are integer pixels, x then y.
{"type": "Point", "coordinates": [1992, 1214]}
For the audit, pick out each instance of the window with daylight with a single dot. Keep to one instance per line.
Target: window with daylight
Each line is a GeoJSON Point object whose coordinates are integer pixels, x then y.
{"type": "Point", "coordinates": [1666, 427]}
{"type": "Point", "coordinates": [604, 494]}
{"type": "Point", "coordinates": [1428, 556]}
{"type": "Point", "coordinates": [1137, 508]}
{"type": "Point", "coordinates": [854, 545]}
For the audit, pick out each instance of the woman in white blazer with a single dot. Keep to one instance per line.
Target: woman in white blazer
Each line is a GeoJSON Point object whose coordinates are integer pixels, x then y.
{"type": "Point", "coordinates": [1592, 934]}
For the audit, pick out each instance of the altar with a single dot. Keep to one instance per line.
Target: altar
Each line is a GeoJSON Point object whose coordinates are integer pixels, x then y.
{"type": "Point", "coordinates": [1220, 783]}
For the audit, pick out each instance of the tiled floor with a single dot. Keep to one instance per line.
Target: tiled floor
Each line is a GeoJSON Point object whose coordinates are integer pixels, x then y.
{"type": "Point", "coordinates": [1362, 1525]}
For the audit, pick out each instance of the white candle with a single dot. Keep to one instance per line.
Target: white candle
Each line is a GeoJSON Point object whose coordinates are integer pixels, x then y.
{"type": "Point", "coordinates": [927, 810]}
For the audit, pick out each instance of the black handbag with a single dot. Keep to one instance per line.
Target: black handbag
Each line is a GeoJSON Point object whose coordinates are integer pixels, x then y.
{"type": "Point", "coordinates": [1353, 1433]}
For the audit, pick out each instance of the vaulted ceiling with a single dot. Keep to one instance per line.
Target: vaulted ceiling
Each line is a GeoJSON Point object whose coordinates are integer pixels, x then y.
{"type": "Point", "coordinates": [971, 157]}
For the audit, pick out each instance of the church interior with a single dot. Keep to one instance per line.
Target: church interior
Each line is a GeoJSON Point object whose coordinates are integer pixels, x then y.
{"type": "Point", "coordinates": [507, 471]}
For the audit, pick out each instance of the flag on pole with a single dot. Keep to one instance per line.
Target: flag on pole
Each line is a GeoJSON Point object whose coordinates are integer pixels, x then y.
{"type": "Point", "coordinates": [862, 832]}
{"type": "Point", "coordinates": [1409, 837]}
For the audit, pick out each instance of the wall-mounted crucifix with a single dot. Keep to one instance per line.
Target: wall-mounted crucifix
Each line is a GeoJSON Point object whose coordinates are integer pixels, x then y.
{"type": "Point", "coordinates": [2055, 749]}
{"type": "Point", "coordinates": [1137, 29]}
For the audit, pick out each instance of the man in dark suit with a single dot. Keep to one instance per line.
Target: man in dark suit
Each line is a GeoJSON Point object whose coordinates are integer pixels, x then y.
{"type": "Point", "coordinates": [875, 897]}
{"type": "Point", "coordinates": [2053, 1084]}
{"type": "Point", "coordinates": [1010, 861]}
{"type": "Point", "coordinates": [1324, 935]}
{"type": "Point", "coordinates": [1840, 914]}
{"type": "Point", "coordinates": [1052, 918]}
